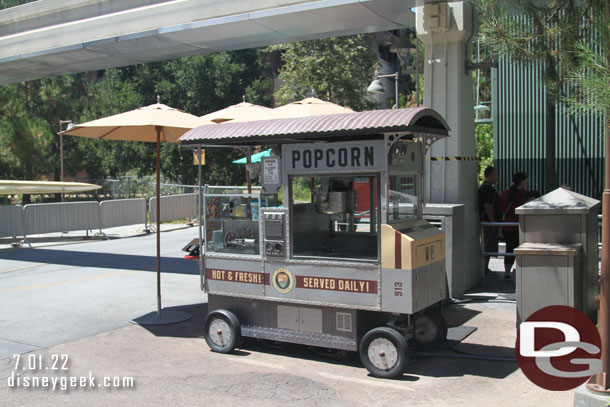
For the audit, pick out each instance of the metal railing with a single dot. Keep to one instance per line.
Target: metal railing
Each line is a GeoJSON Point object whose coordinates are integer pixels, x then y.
{"type": "Point", "coordinates": [11, 221]}
{"type": "Point", "coordinates": [122, 212]}
{"type": "Point", "coordinates": [61, 217]}
{"type": "Point", "coordinates": [174, 207]}
{"type": "Point", "coordinates": [35, 219]}
{"type": "Point", "coordinates": [599, 234]}
{"type": "Point", "coordinates": [497, 254]}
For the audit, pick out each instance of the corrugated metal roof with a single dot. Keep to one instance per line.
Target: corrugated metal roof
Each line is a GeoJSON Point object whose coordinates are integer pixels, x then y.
{"type": "Point", "coordinates": [328, 127]}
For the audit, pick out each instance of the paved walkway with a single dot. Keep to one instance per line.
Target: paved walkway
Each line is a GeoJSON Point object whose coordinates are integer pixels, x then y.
{"type": "Point", "coordinates": [171, 365]}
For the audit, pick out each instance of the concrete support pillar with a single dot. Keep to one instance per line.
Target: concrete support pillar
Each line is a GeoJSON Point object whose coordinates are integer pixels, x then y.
{"type": "Point", "coordinates": [445, 29]}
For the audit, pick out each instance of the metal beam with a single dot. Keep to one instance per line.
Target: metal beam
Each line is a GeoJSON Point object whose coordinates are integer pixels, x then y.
{"type": "Point", "coordinates": [53, 37]}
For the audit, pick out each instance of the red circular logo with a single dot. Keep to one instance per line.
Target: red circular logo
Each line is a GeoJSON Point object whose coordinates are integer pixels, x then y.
{"type": "Point", "coordinates": [558, 348]}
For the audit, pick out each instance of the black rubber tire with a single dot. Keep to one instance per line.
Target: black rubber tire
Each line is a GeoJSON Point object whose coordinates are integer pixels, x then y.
{"type": "Point", "coordinates": [399, 344]}
{"type": "Point", "coordinates": [228, 326]}
{"type": "Point", "coordinates": [429, 331]}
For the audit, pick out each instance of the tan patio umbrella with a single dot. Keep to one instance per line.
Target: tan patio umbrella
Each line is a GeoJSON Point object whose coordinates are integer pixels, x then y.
{"type": "Point", "coordinates": [243, 112]}
{"type": "Point", "coordinates": [308, 107]}
{"type": "Point", "coordinates": [155, 123]}
{"type": "Point", "coordinates": [240, 112]}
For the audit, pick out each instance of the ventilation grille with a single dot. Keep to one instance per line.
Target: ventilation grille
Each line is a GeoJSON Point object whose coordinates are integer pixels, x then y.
{"type": "Point", "coordinates": [344, 321]}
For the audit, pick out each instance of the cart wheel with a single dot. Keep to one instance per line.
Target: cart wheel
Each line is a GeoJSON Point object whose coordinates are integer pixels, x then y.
{"type": "Point", "coordinates": [222, 331]}
{"type": "Point", "coordinates": [430, 330]}
{"type": "Point", "coordinates": [383, 352]}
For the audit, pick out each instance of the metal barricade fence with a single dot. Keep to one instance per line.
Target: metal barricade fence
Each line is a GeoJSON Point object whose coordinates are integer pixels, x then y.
{"type": "Point", "coordinates": [11, 221]}
{"type": "Point", "coordinates": [82, 216]}
{"type": "Point", "coordinates": [61, 217]}
{"type": "Point", "coordinates": [174, 207]}
{"type": "Point", "coordinates": [122, 212]}
{"type": "Point", "coordinates": [34, 219]}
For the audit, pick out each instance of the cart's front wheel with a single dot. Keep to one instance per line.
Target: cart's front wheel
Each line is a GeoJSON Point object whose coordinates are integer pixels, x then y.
{"type": "Point", "coordinates": [222, 331]}
{"type": "Point", "coordinates": [383, 352]}
{"type": "Point", "coordinates": [430, 330]}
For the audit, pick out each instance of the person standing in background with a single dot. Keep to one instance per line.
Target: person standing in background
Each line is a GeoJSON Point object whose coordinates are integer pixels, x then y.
{"type": "Point", "coordinates": [489, 211]}
{"type": "Point", "coordinates": [511, 199]}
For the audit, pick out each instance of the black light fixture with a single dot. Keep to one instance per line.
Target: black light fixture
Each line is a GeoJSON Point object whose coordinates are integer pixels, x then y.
{"type": "Point", "coordinates": [377, 87]}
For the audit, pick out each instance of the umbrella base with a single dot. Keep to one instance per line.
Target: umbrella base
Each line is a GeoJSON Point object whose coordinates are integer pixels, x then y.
{"type": "Point", "coordinates": [167, 317]}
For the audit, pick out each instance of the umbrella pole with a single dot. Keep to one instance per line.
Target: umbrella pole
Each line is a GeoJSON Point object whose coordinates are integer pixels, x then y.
{"type": "Point", "coordinates": [248, 161]}
{"type": "Point", "coordinates": [200, 203]}
{"type": "Point", "coordinates": [158, 129]}
{"type": "Point", "coordinates": [171, 316]}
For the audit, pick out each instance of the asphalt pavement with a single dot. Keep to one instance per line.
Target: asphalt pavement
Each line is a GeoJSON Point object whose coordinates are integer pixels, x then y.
{"type": "Point", "coordinates": [64, 311]}
{"type": "Point", "coordinates": [62, 290]}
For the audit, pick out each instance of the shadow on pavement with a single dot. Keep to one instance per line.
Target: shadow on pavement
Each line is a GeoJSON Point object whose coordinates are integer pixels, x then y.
{"type": "Point", "coordinates": [329, 356]}
{"type": "Point", "coordinates": [102, 260]}
{"type": "Point", "coordinates": [495, 285]}
{"type": "Point", "coordinates": [457, 315]}
{"type": "Point", "coordinates": [443, 363]}
{"type": "Point", "coordinates": [192, 328]}
{"type": "Point", "coordinates": [449, 363]}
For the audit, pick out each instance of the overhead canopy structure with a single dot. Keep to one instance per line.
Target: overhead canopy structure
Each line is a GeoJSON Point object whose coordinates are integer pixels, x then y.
{"type": "Point", "coordinates": [43, 187]}
{"type": "Point", "coordinates": [334, 127]}
{"type": "Point", "coordinates": [54, 37]}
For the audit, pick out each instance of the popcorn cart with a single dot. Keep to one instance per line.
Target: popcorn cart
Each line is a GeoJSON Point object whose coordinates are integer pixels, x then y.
{"type": "Point", "coordinates": [333, 251]}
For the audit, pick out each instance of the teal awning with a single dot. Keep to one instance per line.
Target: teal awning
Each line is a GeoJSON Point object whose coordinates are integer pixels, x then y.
{"type": "Point", "coordinates": [254, 158]}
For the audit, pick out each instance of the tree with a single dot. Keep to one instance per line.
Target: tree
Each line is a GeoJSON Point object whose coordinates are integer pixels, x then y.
{"type": "Point", "coordinates": [543, 31]}
{"type": "Point", "coordinates": [29, 119]}
{"type": "Point", "coordinates": [335, 69]}
{"type": "Point", "coordinates": [25, 141]}
{"type": "Point", "coordinates": [590, 80]}
{"type": "Point", "coordinates": [200, 85]}
{"type": "Point", "coordinates": [108, 158]}
{"type": "Point", "coordinates": [12, 3]}
{"type": "Point", "coordinates": [485, 145]}
{"type": "Point", "coordinates": [576, 34]}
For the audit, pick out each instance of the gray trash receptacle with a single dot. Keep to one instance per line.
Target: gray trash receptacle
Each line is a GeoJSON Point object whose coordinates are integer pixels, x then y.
{"type": "Point", "coordinates": [548, 274]}
{"type": "Point", "coordinates": [563, 220]}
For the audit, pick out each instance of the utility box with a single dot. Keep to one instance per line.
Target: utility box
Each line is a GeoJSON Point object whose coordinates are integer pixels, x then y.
{"type": "Point", "coordinates": [548, 274]}
{"type": "Point", "coordinates": [557, 261]}
{"type": "Point", "coordinates": [450, 219]}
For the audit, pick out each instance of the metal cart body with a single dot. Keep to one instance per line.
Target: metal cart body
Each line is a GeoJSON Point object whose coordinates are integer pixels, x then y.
{"type": "Point", "coordinates": [325, 268]}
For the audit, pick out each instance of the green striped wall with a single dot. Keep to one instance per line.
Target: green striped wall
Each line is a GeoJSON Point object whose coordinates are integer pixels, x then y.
{"type": "Point", "coordinates": [519, 134]}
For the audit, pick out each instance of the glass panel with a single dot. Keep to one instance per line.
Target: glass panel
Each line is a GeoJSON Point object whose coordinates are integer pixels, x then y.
{"type": "Point", "coordinates": [302, 189]}
{"type": "Point", "coordinates": [367, 194]}
{"type": "Point", "coordinates": [335, 216]}
{"type": "Point", "coordinates": [232, 224]}
{"type": "Point", "coordinates": [403, 198]}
